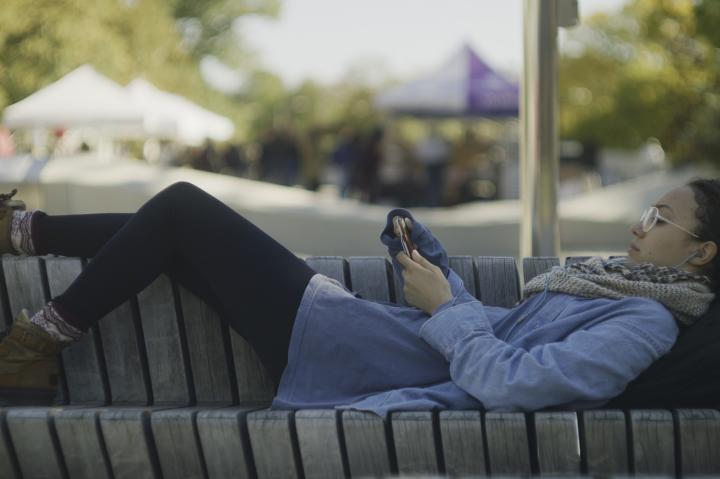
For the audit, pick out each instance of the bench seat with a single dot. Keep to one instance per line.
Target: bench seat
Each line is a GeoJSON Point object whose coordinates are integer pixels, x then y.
{"type": "Point", "coordinates": [162, 388]}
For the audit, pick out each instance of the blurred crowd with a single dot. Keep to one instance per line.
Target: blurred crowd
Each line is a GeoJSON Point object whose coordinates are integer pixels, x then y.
{"type": "Point", "coordinates": [373, 166]}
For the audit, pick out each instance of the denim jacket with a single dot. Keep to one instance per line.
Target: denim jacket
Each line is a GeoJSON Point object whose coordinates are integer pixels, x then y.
{"type": "Point", "coordinates": [551, 350]}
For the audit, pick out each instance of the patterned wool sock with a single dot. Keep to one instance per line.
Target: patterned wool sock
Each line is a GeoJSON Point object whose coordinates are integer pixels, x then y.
{"type": "Point", "coordinates": [21, 232]}
{"type": "Point", "coordinates": [53, 323]}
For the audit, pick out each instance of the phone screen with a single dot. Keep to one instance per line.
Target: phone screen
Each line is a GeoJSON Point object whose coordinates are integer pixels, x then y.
{"type": "Point", "coordinates": [407, 244]}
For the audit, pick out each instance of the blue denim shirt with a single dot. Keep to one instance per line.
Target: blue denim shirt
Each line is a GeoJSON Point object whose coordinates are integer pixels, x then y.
{"type": "Point", "coordinates": [549, 350]}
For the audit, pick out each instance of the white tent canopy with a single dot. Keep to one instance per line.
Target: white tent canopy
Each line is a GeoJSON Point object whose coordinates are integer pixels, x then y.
{"type": "Point", "coordinates": [82, 98]}
{"type": "Point", "coordinates": [86, 99]}
{"type": "Point", "coordinates": [174, 117]}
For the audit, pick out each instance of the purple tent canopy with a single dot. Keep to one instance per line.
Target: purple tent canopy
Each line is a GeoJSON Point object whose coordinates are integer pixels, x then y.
{"type": "Point", "coordinates": [463, 86]}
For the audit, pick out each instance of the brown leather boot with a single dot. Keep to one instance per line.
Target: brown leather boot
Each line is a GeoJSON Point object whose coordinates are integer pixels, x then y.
{"type": "Point", "coordinates": [7, 206]}
{"type": "Point", "coordinates": [28, 364]}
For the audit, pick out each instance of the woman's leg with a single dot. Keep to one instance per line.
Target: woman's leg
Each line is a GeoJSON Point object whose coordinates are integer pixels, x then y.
{"type": "Point", "coordinates": [252, 281]}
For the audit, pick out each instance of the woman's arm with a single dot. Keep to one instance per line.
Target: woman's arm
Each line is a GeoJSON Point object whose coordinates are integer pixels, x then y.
{"type": "Point", "coordinates": [594, 364]}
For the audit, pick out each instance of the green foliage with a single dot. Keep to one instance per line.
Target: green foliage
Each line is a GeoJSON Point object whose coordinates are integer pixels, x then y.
{"type": "Point", "coordinates": [42, 40]}
{"type": "Point", "coordinates": [642, 73]}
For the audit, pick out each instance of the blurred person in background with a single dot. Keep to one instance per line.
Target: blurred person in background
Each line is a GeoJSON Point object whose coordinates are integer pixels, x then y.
{"type": "Point", "coordinates": [368, 165]}
{"type": "Point", "coordinates": [235, 162]}
{"type": "Point", "coordinates": [433, 152]}
{"type": "Point", "coordinates": [344, 158]}
{"type": "Point", "coordinates": [279, 159]}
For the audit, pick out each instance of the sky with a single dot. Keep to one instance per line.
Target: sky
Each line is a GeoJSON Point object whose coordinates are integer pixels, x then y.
{"type": "Point", "coordinates": [327, 40]}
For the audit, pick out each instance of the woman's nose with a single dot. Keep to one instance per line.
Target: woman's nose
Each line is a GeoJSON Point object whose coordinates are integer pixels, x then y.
{"type": "Point", "coordinates": [637, 230]}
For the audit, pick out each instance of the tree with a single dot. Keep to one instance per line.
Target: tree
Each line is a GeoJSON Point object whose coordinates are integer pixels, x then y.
{"type": "Point", "coordinates": [645, 72]}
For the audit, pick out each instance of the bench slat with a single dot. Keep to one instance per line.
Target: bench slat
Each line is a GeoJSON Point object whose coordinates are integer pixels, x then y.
{"type": "Point", "coordinates": [175, 434]}
{"type": "Point", "coordinates": [606, 445]}
{"type": "Point", "coordinates": [538, 265]}
{"type": "Point", "coordinates": [6, 318]}
{"type": "Point", "coordinates": [335, 267]}
{"type": "Point", "coordinates": [463, 444]}
{"type": "Point", "coordinates": [464, 266]}
{"type": "Point", "coordinates": [498, 282]}
{"type": "Point", "coordinates": [371, 277]}
{"type": "Point", "coordinates": [129, 442]}
{"type": "Point", "coordinates": [274, 448]}
{"type": "Point", "coordinates": [82, 362]}
{"type": "Point", "coordinates": [558, 442]}
{"type": "Point", "coordinates": [253, 382]}
{"type": "Point", "coordinates": [23, 276]}
{"type": "Point", "coordinates": [507, 440]}
{"type": "Point", "coordinates": [33, 437]}
{"type": "Point", "coordinates": [9, 468]}
{"type": "Point", "coordinates": [123, 356]}
{"type": "Point", "coordinates": [414, 441]}
{"type": "Point", "coordinates": [653, 441]}
{"type": "Point", "coordinates": [366, 444]}
{"type": "Point", "coordinates": [209, 358]}
{"type": "Point", "coordinates": [225, 442]}
{"type": "Point", "coordinates": [699, 431]}
{"type": "Point", "coordinates": [166, 360]}
{"type": "Point", "coordinates": [78, 431]}
{"type": "Point", "coordinates": [319, 442]}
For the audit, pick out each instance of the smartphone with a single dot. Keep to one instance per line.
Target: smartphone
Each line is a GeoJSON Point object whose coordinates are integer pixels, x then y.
{"type": "Point", "coordinates": [407, 244]}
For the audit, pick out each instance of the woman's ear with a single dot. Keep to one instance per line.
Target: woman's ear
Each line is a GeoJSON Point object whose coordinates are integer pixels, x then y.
{"type": "Point", "coordinates": [705, 254]}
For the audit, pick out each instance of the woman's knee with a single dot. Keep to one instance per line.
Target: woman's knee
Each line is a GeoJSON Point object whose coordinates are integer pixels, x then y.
{"type": "Point", "coordinates": [180, 192]}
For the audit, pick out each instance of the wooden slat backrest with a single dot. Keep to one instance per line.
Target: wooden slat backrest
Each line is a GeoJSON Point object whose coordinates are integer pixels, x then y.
{"type": "Point", "coordinates": [699, 435]}
{"type": "Point", "coordinates": [366, 443]}
{"type": "Point", "coordinates": [464, 266]}
{"type": "Point", "coordinates": [606, 445]}
{"type": "Point", "coordinates": [81, 442]}
{"type": "Point", "coordinates": [463, 443]}
{"type": "Point", "coordinates": [274, 444]}
{"type": "Point", "coordinates": [319, 441]}
{"type": "Point", "coordinates": [253, 381]}
{"type": "Point", "coordinates": [23, 277]}
{"type": "Point", "coordinates": [163, 344]}
{"type": "Point", "coordinates": [371, 277]}
{"type": "Point", "coordinates": [558, 443]}
{"type": "Point", "coordinates": [414, 438]}
{"type": "Point", "coordinates": [498, 283]}
{"type": "Point", "coordinates": [125, 359]}
{"type": "Point", "coordinates": [538, 265]}
{"type": "Point", "coordinates": [507, 441]}
{"type": "Point", "coordinates": [335, 267]}
{"type": "Point", "coordinates": [83, 362]}
{"type": "Point", "coordinates": [6, 317]}
{"type": "Point", "coordinates": [210, 358]}
{"type": "Point", "coordinates": [653, 442]}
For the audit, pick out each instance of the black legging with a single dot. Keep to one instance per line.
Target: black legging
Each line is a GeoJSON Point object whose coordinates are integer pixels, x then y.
{"type": "Point", "coordinates": [248, 278]}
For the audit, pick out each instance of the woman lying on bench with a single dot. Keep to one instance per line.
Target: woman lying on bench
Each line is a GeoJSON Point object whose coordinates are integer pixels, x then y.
{"type": "Point", "coordinates": [580, 336]}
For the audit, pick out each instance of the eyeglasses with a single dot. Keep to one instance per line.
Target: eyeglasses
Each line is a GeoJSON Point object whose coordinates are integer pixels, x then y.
{"type": "Point", "coordinates": [651, 216]}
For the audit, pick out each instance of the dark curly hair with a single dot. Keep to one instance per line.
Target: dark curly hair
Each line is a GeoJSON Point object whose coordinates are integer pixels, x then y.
{"type": "Point", "coordinates": [707, 196]}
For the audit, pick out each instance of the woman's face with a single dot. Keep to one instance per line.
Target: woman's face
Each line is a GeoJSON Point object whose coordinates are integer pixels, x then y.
{"type": "Point", "coordinates": [665, 244]}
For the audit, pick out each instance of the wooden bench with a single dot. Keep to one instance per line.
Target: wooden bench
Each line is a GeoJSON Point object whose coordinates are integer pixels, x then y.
{"type": "Point", "coordinates": [161, 388]}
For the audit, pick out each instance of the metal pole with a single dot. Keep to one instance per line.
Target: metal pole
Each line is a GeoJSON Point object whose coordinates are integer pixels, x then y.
{"type": "Point", "coordinates": [539, 232]}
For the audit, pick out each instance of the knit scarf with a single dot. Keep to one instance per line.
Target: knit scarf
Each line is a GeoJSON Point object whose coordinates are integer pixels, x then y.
{"type": "Point", "coordinates": [687, 295]}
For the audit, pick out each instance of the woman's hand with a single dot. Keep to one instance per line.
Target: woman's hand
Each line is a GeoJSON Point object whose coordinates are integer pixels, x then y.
{"type": "Point", "coordinates": [426, 287]}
